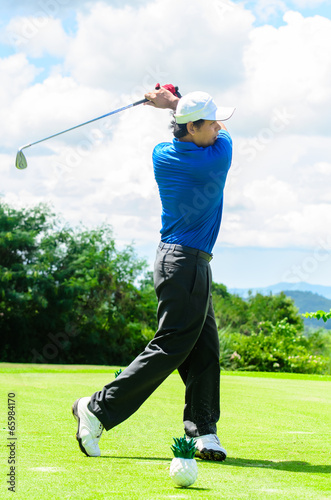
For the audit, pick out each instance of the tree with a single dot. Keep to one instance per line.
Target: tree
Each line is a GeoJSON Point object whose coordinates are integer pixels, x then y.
{"type": "Point", "coordinates": [231, 311]}
{"type": "Point", "coordinates": [20, 231]}
{"type": "Point", "coordinates": [244, 316]}
{"type": "Point", "coordinates": [274, 308]}
{"type": "Point", "coordinates": [66, 295]}
{"type": "Point", "coordinates": [319, 315]}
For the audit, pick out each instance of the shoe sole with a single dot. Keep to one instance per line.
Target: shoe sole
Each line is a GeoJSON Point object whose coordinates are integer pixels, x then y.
{"type": "Point", "coordinates": [74, 410]}
{"type": "Point", "coordinates": [205, 454]}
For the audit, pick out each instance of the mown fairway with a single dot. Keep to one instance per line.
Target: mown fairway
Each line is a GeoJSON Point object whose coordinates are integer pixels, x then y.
{"type": "Point", "coordinates": [275, 427]}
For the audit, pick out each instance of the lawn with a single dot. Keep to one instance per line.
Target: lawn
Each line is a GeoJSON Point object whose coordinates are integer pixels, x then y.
{"type": "Point", "coordinates": [275, 427]}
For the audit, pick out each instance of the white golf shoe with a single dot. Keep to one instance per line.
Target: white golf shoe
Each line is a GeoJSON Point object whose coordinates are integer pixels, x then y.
{"type": "Point", "coordinates": [209, 448]}
{"type": "Point", "coordinates": [89, 428]}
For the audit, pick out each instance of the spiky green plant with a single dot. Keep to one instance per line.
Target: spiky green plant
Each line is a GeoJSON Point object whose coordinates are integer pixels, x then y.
{"type": "Point", "coordinates": [118, 372]}
{"type": "Point", "coordinates": [183, 448]}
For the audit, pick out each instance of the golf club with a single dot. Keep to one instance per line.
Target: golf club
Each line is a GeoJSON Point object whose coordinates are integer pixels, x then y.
{"type": "Point", "coordinates": [21, 162]}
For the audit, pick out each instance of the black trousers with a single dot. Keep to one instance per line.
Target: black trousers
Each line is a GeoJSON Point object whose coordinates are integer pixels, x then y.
{"type": "Point", "coordinates": [186, 339]}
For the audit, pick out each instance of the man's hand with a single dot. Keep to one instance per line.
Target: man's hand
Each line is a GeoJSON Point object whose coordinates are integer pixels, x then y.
{"type": "Point", "coordinates": [162, 99]}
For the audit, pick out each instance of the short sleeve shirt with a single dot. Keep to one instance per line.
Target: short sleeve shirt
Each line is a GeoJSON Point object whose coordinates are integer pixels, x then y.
{"type": "Point", "coordinates": [191, 182]}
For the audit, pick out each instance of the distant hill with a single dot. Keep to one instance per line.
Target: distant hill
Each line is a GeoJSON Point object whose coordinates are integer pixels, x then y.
{"type": "Point", "coordinates": [310, 302]}
{"type": "Point", "coordinates": [301, 286]}
{"type": "Point", "coordinates": [305, 300]}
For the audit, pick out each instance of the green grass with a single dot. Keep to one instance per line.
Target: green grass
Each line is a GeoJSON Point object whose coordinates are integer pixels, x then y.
{"type": "Point", "coordinates": [276, 428]}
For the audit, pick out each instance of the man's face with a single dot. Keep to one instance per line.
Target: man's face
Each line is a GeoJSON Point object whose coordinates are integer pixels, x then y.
{"type": "Point", "coordinates": [206, 135]}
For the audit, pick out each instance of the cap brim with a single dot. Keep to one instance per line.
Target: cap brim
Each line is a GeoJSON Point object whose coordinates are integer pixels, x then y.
{"type": "Point", "coordinates": [221, 114]}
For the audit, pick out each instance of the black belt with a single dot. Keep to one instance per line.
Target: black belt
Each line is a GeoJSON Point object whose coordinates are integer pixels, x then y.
{"type": "Point", "coordinates": [192, 251]}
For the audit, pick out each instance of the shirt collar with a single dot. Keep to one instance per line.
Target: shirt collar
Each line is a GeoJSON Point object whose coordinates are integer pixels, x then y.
{"type": "Point", "coordinates": [185, 146]}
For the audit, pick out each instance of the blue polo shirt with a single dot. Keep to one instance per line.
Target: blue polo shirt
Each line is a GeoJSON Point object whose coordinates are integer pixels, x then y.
{"type": "Point", "coordinates": [191, 181]}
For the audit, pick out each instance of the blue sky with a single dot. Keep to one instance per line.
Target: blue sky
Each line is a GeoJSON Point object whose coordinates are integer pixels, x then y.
{"type": "Point", "coordinates": [271, 12]}
{"type": "Point", "coordinates": [63, 62]}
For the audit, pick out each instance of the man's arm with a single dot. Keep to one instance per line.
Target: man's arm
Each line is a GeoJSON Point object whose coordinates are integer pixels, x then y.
{"type": "Point", "coordinates": [223, 127]}
{"type": "Point", "coordinates": [162, 99]}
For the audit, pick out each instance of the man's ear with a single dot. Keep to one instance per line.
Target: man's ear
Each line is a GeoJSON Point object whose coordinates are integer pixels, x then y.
{"type": "Point", "coordinates": [190, 128]}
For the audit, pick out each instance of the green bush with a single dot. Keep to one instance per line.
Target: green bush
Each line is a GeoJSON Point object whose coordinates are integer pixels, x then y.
{"type": "Point", "coordinates": [276, 347]}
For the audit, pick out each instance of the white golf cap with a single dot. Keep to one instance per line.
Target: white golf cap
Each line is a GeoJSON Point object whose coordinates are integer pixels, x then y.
{"type": "Point", "coordinates": [200, 105]}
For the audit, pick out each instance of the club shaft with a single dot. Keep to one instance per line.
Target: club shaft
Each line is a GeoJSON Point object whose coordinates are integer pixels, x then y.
{"type": "Point", "coordinates": [85, 123]}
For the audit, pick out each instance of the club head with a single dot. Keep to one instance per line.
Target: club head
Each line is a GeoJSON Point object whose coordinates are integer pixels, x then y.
{"type": "Point", "coordinates": [21, 162]}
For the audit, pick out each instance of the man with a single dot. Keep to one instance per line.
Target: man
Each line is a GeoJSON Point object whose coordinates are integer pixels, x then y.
{"type": "Point", "coordinates": [191, 174]}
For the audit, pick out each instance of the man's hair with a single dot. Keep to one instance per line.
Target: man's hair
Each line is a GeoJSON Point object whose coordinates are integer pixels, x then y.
{"type": "Point", "coordinates": [180, 129]}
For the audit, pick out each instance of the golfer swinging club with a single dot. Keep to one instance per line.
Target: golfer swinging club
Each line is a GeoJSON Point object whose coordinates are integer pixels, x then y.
{"type": "Point", "coordinates": [190, 173]}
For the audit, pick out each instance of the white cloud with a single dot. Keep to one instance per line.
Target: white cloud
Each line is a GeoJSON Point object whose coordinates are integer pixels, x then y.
{"type": "Point", "coordinates": [278, 189]}
{"type": "Point", "coordinates": [323, 168]}
{"type": "Point", "coordinates": [182, 42]}
{"type": "Point", "coordinates": [289, 66]}
{"type": "Point", "coordinates": [43, 109]}
{"type": "Point", "coordinates": [269, 197]}
{"type": "Point", "coordinates": [16, 75]}
{"type": "Point", "coordinates": [275, 195]}
{"type": "Point", "coordinates": [37, 36]}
